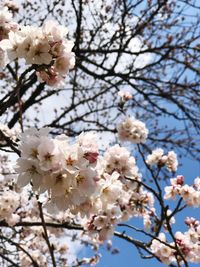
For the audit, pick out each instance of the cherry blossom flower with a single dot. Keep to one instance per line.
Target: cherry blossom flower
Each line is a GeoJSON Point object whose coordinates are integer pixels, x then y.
{"type": "Point", "coordinates": [132, 130]}
{"type": "Point", "coordinates": [157, 157]}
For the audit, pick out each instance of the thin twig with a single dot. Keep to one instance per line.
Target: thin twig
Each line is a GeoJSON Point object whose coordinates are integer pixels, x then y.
{"type": "Point", "coordinates": [51, 249]}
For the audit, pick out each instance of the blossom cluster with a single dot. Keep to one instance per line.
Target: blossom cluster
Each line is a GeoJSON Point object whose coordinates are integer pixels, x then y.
{"type": "Point", "coordinates": [190, 194]}
{"type": "Point", "coordinates": [65, 170]}
{"type": "Point", "coordinates": [5, 168]}
{"type": "Point", "coordinates": [21, 206]}
{"type": "Point", "coordinates": [79, 183]}
{"type": "Point", "coordinates": [160, 159]}
{"type": "Point", "coordinates": [9, 202]}
{"type": "Point", "coordinates": [132, 130]}
{"type": "Point", "coordinates": [104, 190]}
{"type": "Point", "coordinates": [6, 23]}
{"type": "Point", "coordinates": [33, 242]}
{"type": "Point", "coordinates": [187, 243]}
{"type": "Point", "coordinates": [10, 133]}
{"type": "Point", "coordinates": [46, 48]}
{"type": "Point", "coordinates": [9, 199]}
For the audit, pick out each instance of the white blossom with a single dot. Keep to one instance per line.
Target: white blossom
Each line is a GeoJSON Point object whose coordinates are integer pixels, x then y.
{"type": "Point", "coordinates": [157, 157]}
{"type": "Point", "coordinates": [132, 130]}
{"type": "Point", "coordinates": [44, 46]}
